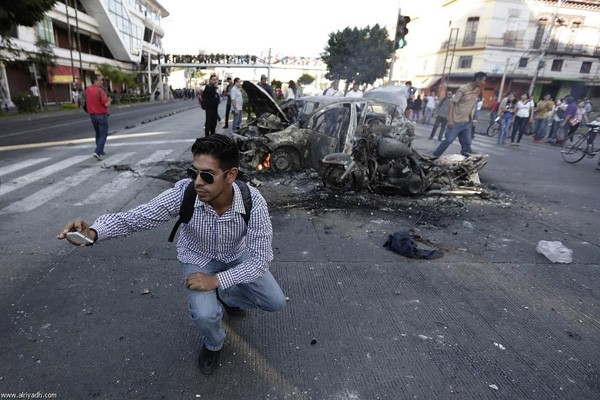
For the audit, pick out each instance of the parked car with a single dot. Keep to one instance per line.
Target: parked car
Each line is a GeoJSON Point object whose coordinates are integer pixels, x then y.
{"type": "Point", "coordinates": [301, 132]}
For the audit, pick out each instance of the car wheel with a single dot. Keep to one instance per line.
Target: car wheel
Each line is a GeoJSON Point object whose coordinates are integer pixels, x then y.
{"type": "Point", "coordinates": [285, 160]}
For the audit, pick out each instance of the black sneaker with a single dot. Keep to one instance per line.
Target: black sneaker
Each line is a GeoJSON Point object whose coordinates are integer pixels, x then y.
{"type": "Point", "coordinates": [233, 311]}
{"type": "Point", "coordinates": [208, 360]}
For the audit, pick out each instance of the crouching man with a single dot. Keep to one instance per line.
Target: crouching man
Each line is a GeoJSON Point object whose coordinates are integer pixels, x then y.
{"type": "Point", "coordinates": [224, 255]}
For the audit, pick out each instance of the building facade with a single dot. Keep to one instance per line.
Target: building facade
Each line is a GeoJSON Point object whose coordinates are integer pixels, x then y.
{"type": "Point", "coordinates": [535, 46]}
{"type": "Point", "coordinates": [84, 34]}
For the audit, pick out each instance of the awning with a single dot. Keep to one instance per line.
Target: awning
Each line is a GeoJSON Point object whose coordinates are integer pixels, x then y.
{"type": "Point", "coordinates": [427, 82]}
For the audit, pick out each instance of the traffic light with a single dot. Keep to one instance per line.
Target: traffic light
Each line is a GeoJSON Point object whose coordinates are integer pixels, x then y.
{"type": "Point", "coordinates": [401, 31]}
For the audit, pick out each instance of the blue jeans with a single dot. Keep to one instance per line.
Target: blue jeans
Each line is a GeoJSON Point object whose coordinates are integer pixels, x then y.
{"type": "Point", "coordinates": [462, 130]}
{"type": "Point", "coordinates": [540, 126]}
{"type": "Point", "coordinates": [505, 124]}
{"type": "Point", "coordinates": [100, 124]}
{"type": "Point", "coordinates": [263, 293]}
{"type": "Point", "coordinates": [237, 120]}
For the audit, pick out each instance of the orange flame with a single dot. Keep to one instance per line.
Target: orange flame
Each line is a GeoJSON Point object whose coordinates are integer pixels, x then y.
{"type": "Point", "coordinates": [265, 164]}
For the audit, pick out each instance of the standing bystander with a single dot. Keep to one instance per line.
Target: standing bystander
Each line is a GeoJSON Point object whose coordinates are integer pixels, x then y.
{"type": "Point", "coordinates": [97, 103]}
{"type": "Point", "coordinates": [265, 85]}
{"type": "Point", "coordinates": [541, 114]}
{"type": "Point", "coordinates": [430, 101]}
{"type": "Point", "coordinates": [459, 123]}
{"type": "Point", "coordinates": [227, 94]}
{"type": "Point", "coordinates": [441, 120]}
{"type": "Point", "coordinates": [355, 92]}
{"type": "Point", "coordinates": [211, 100]}
{"type": "Point", "coordinates": [523, 114]}
{"type": "Point", "coordinates": [237, 104]}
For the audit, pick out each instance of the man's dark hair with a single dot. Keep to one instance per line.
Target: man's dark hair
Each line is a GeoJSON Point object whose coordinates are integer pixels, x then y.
{"type": "Point", "coordinates": [479, 75]}
{"type": "Point", "coordinates": [236, 80]}
{"type": "Point", "coordinates": [95, 78]}
{"type": "Point", "coordinates": [221, 147]}
{"type": "Point", "coordinates": [408, 83]}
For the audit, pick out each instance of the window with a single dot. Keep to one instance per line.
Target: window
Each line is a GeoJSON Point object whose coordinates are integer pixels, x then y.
{"type": "Point", "coordinates": [46, 31]}
{"type": "Point", "coordinates": [523, 62]}
{"type": "Point", "coordinates": [557, 65]}
{"type": "Point", "coordinates": [465, 61]}
{"type": "Point", "coordinates": [471, 31]}
{"type": "Point", "coordinates": [586, 67]}
{"type": "Point", "coordinates": [539, 33]}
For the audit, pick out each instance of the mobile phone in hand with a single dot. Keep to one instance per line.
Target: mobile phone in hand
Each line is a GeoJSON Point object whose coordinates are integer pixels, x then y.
{"type": "Point", "coordinates": [79, 238]}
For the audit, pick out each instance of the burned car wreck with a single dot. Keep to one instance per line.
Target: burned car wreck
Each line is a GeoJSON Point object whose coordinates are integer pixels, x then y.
{"type": "Point", "coordinates": [300, 133]}
{"type": "Point", "coordinates": [354, 144]}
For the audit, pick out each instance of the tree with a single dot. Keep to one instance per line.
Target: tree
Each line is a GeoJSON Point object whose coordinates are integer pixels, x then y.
{"type": "Point", "coordinates": [358, 54]}
{"type": "Point", "coordinates": [306, 79]}
{"type": "Point", "coordinates": [22, 12]}
{"type": "Point", "coordinates": [14, 13]}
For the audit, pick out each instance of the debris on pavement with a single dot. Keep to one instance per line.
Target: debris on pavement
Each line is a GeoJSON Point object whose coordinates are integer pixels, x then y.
{"type": "Point", "coordinates": [402, 243]}
{"type": "Point", "coordinates": [498, 345]}
{"type": "Point", "coordinates": [145, 291]}
{"type": "Point", "coordinates": [492, 386]}
{"type": "Point", "coordinates": [555, 251]}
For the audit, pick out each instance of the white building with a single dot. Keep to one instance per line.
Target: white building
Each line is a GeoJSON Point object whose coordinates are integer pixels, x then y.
{"type": "Point", "coordinates": [554, 43]}
{"type": "Point", "coordinates": [124, 34]}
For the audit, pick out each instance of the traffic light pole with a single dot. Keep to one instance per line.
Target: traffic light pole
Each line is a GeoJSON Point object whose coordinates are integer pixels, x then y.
{"type": "Point", "coordinates": [394, 47]}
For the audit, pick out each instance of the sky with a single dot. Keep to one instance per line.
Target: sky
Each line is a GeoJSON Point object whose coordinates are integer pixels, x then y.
{"type": "Point", "coordinates": [290, 28]}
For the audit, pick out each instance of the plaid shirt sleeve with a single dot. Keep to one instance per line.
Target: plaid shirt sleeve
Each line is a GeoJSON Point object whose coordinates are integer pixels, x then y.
{"type": "Point", "coordinates": [157, 211]}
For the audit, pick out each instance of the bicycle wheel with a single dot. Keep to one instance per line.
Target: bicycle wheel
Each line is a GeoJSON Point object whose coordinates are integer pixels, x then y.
{"type": "Point", "coordinates": [574, 147]}
{"type": "Point", "coordinates": [492, 130]}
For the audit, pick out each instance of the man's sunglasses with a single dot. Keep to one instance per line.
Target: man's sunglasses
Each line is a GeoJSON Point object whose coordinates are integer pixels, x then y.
{"type": "Point", "coordinates": [207, 177]}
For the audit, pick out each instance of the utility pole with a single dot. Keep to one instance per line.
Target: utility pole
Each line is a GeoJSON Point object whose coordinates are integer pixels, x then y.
{"type": "Point", "coordinates": [542, 61]}
{"type": "Point", "coordinates": [503, 79]}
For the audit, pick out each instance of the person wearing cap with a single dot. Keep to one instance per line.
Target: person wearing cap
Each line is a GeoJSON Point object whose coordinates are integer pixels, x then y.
{"type": "Point", "coordinates": [267, 88]}
{"type": "Point", "coordinates": [541, 114]}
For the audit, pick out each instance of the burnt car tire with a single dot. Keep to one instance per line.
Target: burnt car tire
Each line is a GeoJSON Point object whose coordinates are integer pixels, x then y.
{"type": "Point", "coordinates": [332, 181]}
{"type": "Point", "coordinates": [285, 160]}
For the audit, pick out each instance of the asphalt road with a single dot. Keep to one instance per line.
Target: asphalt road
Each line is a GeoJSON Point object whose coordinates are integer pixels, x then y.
{"type": "Point", "coordinates": [75, 124]}
{"type": "Point", "coordinates": [491, 319]}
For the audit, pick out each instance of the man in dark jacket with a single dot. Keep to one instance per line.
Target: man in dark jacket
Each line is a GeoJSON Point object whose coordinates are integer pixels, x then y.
{"type": "Point", "coordinates": [211, 100]}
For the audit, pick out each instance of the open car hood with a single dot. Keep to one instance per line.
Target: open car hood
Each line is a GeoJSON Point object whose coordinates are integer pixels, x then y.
{"type": "Point", "coordinates": [395, 95]}
{"type": "Point", "coordinates": [261, 102]}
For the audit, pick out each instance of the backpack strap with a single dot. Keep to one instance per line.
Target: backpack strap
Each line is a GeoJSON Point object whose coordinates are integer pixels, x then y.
{"type": "Point", "coordinates": [186, 210]}
{"type": "Point", "coordinates": [246, 197]}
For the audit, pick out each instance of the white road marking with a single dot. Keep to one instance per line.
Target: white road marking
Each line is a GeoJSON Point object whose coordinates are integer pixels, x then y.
{"type": "Point", "coordinates": [40, 197]}
{"type": "Point", "coordinates": [124, 179]}
{"type": "Point", "coordinates": [20, 165]}
{"type": "Point", "coordinates": [18, 183]}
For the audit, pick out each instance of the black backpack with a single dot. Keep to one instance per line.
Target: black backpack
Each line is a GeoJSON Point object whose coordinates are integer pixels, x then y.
{"type": "Point", "coordinates": [186, 210]}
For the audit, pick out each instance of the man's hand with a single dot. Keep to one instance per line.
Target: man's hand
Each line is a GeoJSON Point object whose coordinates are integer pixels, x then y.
{"type": "Point", "coordinates": [77, 225]}
{"type": "Point", "coordinates": [201, 282]}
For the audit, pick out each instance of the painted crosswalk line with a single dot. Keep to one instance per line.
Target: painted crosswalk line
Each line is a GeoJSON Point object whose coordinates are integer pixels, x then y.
{"type": "Point", "coordinates": [43, 196]}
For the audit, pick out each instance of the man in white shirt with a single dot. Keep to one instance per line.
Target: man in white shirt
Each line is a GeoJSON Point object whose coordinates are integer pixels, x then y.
{"type": "Point", "coordinates": [237, 104]}
{"type": "Point", "coordinates": [355, 92]}
{"type": "Point", "coordinates": [334, 90]}
{"type": "Point", "coordinates": [430, 101]}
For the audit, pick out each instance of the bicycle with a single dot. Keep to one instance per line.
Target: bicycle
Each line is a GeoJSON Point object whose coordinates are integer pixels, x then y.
{"type": "Point", "coordinates": [493, 129]}
{"type": "Point", "coordinates": [578, 145]}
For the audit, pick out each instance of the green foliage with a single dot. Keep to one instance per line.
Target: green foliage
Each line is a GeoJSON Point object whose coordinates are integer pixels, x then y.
{"type": "Point", "coordinates": [306, 79]}
{"type": "Point", "coordinates": [26, 103]}
{"type": "Point", "coordinates": [22, 12]}
{"type": "Point", "coordinates": [276, 84]}
{"type": "Point", "coordinates": [361, 54]}
{"type": "Point", "coordinates": [44, 57]}
{"type": "Point", "coordinates": [68, 106]}
{"type": "Point", "coordinates": [118, 77]}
